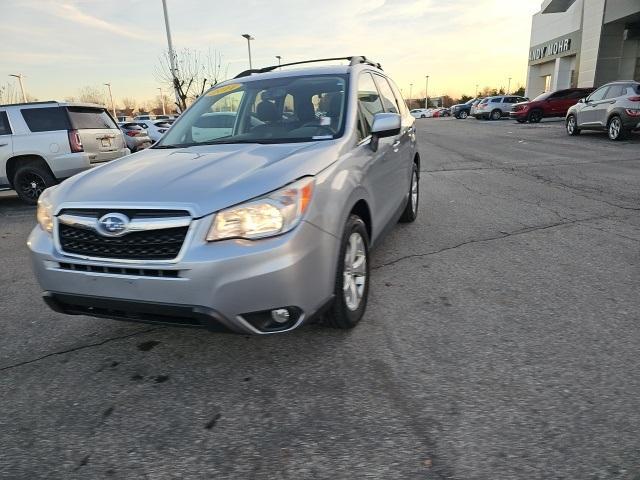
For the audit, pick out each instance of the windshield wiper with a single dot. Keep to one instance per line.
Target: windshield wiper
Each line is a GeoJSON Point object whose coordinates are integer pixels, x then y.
{"type": "Point", "coordinates": [167, 146]}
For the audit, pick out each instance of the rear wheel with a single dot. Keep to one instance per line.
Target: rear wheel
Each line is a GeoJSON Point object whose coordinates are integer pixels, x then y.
{"type": "Point", "coordinates": [615, 129]}
{"type": "Point", "coordinates": [535, 116]}
{"type": "Point", "coordinates": [496, 115]}
{"type": "Point", "coordinates": [463, 114]}
{"type": "Point", "coordinates": [30, 180]}
{"type": "Point", "coordinates": [410, 212]}
{"type": "Point", "coordinates": [572, 125]}
{"type": "Point", "coordinates": [352, 276]}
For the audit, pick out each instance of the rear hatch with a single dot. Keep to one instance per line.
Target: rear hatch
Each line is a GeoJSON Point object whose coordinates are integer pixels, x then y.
{"type": "Point", "coordinates": [100, 136]}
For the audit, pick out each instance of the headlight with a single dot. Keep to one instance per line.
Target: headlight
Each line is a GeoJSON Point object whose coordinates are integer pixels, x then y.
{"type": "Point", "coordinates": [270, 215]}
{"type": "Point", "coordinates": [44, 213]}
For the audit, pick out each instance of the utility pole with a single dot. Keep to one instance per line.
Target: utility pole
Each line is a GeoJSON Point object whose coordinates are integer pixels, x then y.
{"type": "Point", "coordinates": [172, 54]}
{"type": "Point", "coordinates": [113, 107]}
{"type": "Point", "coordinates": [509, 87]}
{"type": "Point", "coordinates": [19, 76]}
{"type": "Point", "coordinates": [164, 111]}
{"type": "Point", "coordinates": [249, 38]}
{"type": "Point", "coordinates": [410, 90]}
{"type": "Point", "coordinates": [426, 93]}
{"type": "Point", "coordinates": [279, 60]}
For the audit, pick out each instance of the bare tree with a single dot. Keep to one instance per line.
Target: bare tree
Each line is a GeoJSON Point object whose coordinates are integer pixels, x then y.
{"type": "Point", "coordinates": [128, 103]}
{"type": "Point", "coordinates": [92, 94]}
{"type": "Point", "coordinates": [195, 73]}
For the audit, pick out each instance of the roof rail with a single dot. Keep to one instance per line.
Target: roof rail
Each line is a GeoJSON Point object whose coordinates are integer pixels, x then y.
{"type": "Point", "coordinates": [28, 103]}
{"type": "Point", "coordinates": [353, 60]}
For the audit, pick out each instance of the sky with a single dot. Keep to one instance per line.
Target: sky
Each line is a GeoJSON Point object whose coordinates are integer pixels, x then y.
{"type": "Point", "coordinates": [61, 46]}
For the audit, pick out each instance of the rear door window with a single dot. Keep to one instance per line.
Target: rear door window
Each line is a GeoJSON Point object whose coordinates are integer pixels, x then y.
{"type": "Point", "coordinates": [47, 119]}
{"type": "Point", "coordinates": [615, 91]}
{"type": "Point", "coordinates": [368, 101]}
{"type": "Point", "coordinates": [388, 99]}
{"type": "Point", "coordinates": [83, 118]}
{"type": "Point", "coordinates": [5, 128]}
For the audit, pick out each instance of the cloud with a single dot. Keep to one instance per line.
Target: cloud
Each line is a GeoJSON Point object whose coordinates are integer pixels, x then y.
{"type": "Point", "coordinates": [73, 14]}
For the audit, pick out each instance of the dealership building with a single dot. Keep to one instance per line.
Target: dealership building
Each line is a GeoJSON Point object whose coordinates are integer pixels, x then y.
{"type": "Point", "coordinates": [583, 43]}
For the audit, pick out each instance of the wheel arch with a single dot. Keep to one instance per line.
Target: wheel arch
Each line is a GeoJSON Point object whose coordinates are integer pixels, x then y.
{"type": "Point", "coordinates": [14, 162]}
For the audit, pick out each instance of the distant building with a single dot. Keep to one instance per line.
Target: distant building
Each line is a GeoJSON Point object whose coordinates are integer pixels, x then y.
{"type": "Point", "coordinates": [583, 43]}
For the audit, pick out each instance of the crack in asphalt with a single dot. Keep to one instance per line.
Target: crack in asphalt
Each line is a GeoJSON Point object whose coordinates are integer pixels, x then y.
{"type": "Point", "coordinates": [81, 347]}
{"type": "Point", "coordinates": [489, 239]}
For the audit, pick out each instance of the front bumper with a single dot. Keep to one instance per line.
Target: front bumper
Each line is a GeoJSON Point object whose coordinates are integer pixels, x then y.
{"type": "Point", "coordinates": [228, 283]}
{"type": "Point", "coordinates": [519, 115]}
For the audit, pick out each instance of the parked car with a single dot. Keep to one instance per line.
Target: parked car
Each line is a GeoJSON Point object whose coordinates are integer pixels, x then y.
{"type": "Point", "coordinates": [42, 143]}
{"type": "Point", "coordinates": [549, 104]}
{"type": "Point", "coordinates": [259, 230]}
{"type": "Point", "coordinates": [614, 107]}
{"type": "Point", "coordinates": [421, 112]}
{"type": "Point", "coordinates": [441, 112]}
{"type": "Point", "coordinates": [462, 110]}
{"type": "Point", "coordinates": [474, 105]}
{"type": "Point", "coordinates": [156, 128]}
{"type": "Point", "coordinates": [136, 137]}
{"type": "Point", "coordinates": [139, 118]}
{"type": "Point", "coordinates": [125, 118]}
{"type": "Point", "coordinates": [496, 107]}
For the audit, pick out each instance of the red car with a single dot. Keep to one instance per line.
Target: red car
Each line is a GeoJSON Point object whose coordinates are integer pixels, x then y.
{"type": "Point", "coordinates": [549, 104]}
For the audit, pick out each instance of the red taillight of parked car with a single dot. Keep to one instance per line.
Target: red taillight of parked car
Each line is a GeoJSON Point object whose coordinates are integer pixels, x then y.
{"type": "Point", "coordinates": [634, 99]}
{"type": "Point", "coordinates": [133, 133]}
{"type": "Point", "coordinates": [74, 142]}
{"type": "Point", "coordinates": [632, 112]}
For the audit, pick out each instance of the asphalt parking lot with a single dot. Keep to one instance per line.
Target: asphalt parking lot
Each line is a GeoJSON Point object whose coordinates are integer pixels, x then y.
{"type": "Point", "coordinates": [501, 342]}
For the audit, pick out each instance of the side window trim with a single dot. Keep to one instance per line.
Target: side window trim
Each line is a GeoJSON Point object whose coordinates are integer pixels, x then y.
{"type": "Point", "coordinates": [5, 121]}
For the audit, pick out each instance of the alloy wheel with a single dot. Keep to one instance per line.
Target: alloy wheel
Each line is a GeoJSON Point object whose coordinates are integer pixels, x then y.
{"type": "Point", "coordinates": [32, 185]}
{"type": "Point", "coordinates": [571, 125]}
{"type": "Point", "coordinates": [415, 192]}
{"type": "Point", "coordinates": [355, 271]}
{"type": "Point", "coordinates": [614, 128]}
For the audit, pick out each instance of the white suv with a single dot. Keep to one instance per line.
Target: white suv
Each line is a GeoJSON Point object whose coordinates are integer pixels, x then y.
{"type": "Point", "coordinates": [43, 143]}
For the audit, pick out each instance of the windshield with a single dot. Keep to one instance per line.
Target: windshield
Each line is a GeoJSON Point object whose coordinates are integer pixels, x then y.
{"type": "Point", "coordinates": [279, 110]}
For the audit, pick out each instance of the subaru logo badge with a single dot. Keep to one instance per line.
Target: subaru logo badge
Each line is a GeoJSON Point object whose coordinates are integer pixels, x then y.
{"type": "Point", "coordinates": [113, 224]}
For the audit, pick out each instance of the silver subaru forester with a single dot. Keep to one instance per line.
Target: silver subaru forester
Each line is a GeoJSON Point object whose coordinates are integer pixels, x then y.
{"type": "Point", "coordinates": [255, 213]}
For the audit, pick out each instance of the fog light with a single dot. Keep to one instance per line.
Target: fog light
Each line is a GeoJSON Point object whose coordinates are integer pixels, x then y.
{"type": "Point", "coordinates": [280, 315]}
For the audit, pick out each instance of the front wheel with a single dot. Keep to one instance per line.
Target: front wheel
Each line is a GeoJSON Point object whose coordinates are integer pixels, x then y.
{"type": "Point", "coordinates": [572, 125]}
{"type": "Point", "coordinates": [535, 116]}
{"type": "Point", "coordinates": [496, 115]}
{"type": "Point", "coordinates": [463, 114]}
{"type": "Point", "coordinates": [352, 276]}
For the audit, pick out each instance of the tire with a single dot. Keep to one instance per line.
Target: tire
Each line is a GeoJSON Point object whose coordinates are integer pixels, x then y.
{"type": "Point", "coordinates": [410, 212]}
{"type": "Point", "coordinates": [463, 114]}
{"type": "Point", "coordinates": [615, 129]}
{"type": "Point", "coordinates": [535, 116]}
{"type": "Point", "coordinates": [350, 303]}
{"type": "Point", "coordinates": [30, 180]}
{"type": "Point", "coordinates": [495, 115]}
{"type": "Point", "coordinates": [423, 116]}
{"type": "Point", "coordinates": [571, 125]}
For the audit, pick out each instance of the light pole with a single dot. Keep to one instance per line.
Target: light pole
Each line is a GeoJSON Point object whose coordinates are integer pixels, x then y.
{"type": "Point", "coordinates": [249, 38]}
{"type": "Point", "coordinates": [279, 60]}
{"type": "Point", "coordinates": [164, 112]}
{"type": "Point", "coordinates": [410, 100]}
{"type": "Point", "coordinates": [426, 92]}
{"type": "Point", "coordinates": [20, 77]}
{"type": "Point", "coordinates": [509, 87]}
{"type": "Point", "coordinates": [172, 55]}
{"type": "Point", "coordinates": [113, 107]}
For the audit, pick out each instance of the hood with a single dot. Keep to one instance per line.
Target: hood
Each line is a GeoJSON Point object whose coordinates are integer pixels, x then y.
{"type": "Point", "coordinates": [201, 179]}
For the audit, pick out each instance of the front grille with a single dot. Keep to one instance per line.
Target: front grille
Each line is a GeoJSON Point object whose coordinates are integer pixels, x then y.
{"type": "Point", "coordinates": [150, 245]}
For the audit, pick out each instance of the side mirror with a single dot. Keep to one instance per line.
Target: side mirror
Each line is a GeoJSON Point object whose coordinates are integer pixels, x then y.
{"type": "Point", "coordinates": [582, 100]}
{"type": "Point", "coordinates": [386, 125]}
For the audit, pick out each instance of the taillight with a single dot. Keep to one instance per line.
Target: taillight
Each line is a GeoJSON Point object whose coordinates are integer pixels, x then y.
{"type": "Point", "coordinates": [632, 112]}
{"type": "Point", "coordinates": [74, 142]}
{"type": "Point", "coordinates": [634, 99]}
{"type": "Point", "coordinates": [133, 133]}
